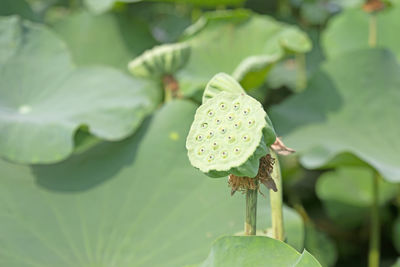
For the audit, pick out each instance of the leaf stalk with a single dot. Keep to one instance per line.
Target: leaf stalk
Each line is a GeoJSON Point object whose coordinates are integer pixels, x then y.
{"type": "Point", "coordinates": [373, 256]}
{"type": "Point", "coordinates": [276, 200]}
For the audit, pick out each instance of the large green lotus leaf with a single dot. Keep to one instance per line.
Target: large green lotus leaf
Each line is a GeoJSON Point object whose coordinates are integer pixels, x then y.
{"type": "Point", "coordinates": [346, 194]}
{"type": "Point", "coordinates": [351, 105]}
{"type": "Point", "coordinates": [137, 202]}
{"type": "Point", "coordinates": [99, 6]}
{"type": "Point", "coordinates": [16, 7]}
{"type": "Point", "coordinates": [349, 31]}
{"type": "Point", "coordinates": [250, 251]}
{"type": "Point", "coordinates": [320, 245]}
{"type": "Point", "coordinates": [397, 263]}
{"type": "Point", "coordinates": [44, 99]}
{"type": "Point", "coordinates": [293, 223]}
{"type": "Point", "coordinates": [237, 42]}
{"type": "Point", "coordinates": [107, 39]}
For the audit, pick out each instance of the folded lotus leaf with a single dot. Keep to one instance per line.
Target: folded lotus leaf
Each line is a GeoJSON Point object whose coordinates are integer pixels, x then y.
{"type": "Point", "coordinates": [45, 99]}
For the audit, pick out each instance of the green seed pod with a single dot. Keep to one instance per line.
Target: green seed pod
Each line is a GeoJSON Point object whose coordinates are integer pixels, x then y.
{"type": "Point", "coordinates": [227, 135]}
{"type": "Point", "coordinates": [160, 60]}
{"type": "Point", "coordinates": [221, 82]}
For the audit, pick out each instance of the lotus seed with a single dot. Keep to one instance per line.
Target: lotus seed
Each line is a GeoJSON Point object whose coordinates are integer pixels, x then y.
{"type": "Point", "coordinates": [199, 137]}
{"type": "Point", "coordinates": [210, 158]}
{"type": "Point", "coordinates": [204, 125]}
{"type": "Point", "coordinates": [210, 113]}
{"type": "Point", "coordinates": [210, 134]}
{"type": "Point", "coordinates": [222, 106]}
{"type": "Point", "coordinates": [246, 111]}
{"type": "Point", "coordinates": [230, 117]}
{"type": "Point", "coordinates": [237, 150]}
{"type": "Point", "coordinates": [237, 125]}
{"type": "Point", "coordinates": [246, 138]}
{"type": "Point", "coordinates": [224, 154]}
{"type": "Point", "coordinates": [215, 145]}
{"type": "Point", "coordinates": [217, 121]}
{"type": "Point", "coordinates": [236, 106]}
{"type": "Point", "coordinates": [223, 130]}
{"type": "Point", "coordinates": [251, 123]}
{"type": "Point", "coordinates": [201, 150]}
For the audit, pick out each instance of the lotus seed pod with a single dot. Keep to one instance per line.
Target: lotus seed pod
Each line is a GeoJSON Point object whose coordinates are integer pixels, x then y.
{"type": "Point", "coordinates": [221, 82]}
{"type": "Point", "coordinates": [227, 136]}
{"type": "Point", "coordinates": [160, 60]}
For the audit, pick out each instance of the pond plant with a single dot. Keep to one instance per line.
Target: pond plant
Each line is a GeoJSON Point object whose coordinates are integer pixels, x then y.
{"type": "Point", "coordinates": [150, 133]}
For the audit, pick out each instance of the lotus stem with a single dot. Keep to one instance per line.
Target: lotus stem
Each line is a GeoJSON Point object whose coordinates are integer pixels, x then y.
{"type": "Point", "coordinates": [250, 225]}
{"type": "Point", "coordinates": [276, 201]}
{"type": "Point", "coordinates": [373, 257]}
{"type": "Point", "coordinates": [301, 79]}
{"type": "Point", "coordinates": [372, 38]}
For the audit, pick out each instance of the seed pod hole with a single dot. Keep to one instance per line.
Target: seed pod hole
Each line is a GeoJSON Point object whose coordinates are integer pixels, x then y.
{"type": "Point", "coordinates": [204, 125]}
{"type": "Point", "coordinates": [210, 113]}
{"type": "Point", "coordinates": [223, 130]}
{"type": "Point", "coordinates": [222, 105]}
{"type": "Point", "coordinates": [251, 123]}
{"type": "Point", "coordinates": [237, 125]}
{"type": "Point", "coordinates": [210, 157]}
{"type": "Point", "coordinates": [201, 151]}
{"type": "Point", "coordinates": [218, 121]}
{"type": "Point", "coordinates": [236, 150]}
{"type": "Point", "coordinates": [236, 106]}
{"type": "Point", "coordinates": [215, 145]}
{"type": "Point", "coordinates": [246, 111]}
{"type": "Point", "coordinates": [210, 134]}
{"type": "Point", "coordinates": [199, 137]}
{"type": "Point", "coordinates": [231, 138]}
{"type": "Point", "coordinates": [246, 138]}
{"type": "Point", "coordinates": [224, 154]}
{"type": "Point", "coordinates": [230, 117]}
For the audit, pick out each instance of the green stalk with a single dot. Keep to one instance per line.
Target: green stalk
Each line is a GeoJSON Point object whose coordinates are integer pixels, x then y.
{"type": "Point", "coordinates": [250, 225]}
{"type": "Point", "coordinates": [276, 200]}
{"type": "Point", "coordinates": [373, 256]}
{"type": "Point", "coordinates": [301, 79]}
{"type": "Point", "coordinates": [372, 38]}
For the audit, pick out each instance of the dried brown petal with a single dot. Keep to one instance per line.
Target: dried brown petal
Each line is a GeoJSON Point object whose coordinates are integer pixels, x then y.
{"type": "Point", "coordinates": [280, 148]}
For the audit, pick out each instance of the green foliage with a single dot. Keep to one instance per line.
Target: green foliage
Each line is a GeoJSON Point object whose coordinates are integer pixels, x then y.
{"type": "Point", "coordinates": [344, 101]}
{"type": "Point", "coordinates": [347, 194]}
{"type": "Point", "coordinates": [38, 120]}
{"type": "Point", "coordinates": [396, 234]}
{"type": "Point", "coordinates": [349, 31]}
{"type": "Point", "coordinates": [259, 41]}
{"type": "Point", "coordinates": [125, 36]}
{"type": "Point", "coordinates": [320, 246]}
{"type": "Point", "coordinates": [248, 251]}
{"type": "Point", "coordinates": [16, 7]}
{"type": "Point", "coordinates": [99, 6]}
{"type": "Point", "coordinates": [78, 213]}
{"type": "Point", "coordinates": [106, 206]}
